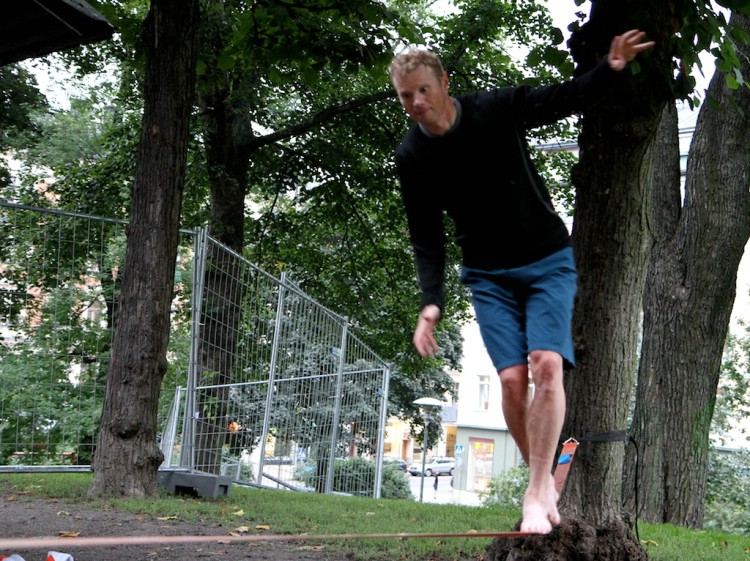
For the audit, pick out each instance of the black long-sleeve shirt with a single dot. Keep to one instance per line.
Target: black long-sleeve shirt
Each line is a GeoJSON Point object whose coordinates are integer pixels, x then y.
{"type": "Point", "coordinates": [482, 175]}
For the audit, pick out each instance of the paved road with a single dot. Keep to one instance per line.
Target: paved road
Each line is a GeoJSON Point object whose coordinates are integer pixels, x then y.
{"type": "Point", "coordinates": [444, 494]}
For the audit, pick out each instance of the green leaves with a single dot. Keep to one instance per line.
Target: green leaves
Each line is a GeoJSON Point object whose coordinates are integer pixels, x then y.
{"type": "Point", "coordinates": [705, 29]}
{"type": "Point", "coordinates": [312, 34]}
{"type": "Point", "coordinates": [20, 100]}
{"type": "Point", "coordinates": [226, 61]}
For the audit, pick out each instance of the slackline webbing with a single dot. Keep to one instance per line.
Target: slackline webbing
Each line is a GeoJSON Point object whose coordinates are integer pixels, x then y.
{"type": "Point", "coordinates": [11, 544]}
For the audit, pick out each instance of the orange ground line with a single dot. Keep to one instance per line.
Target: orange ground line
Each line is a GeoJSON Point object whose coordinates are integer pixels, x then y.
{"type": "Point", "coordinates": [61, 543]}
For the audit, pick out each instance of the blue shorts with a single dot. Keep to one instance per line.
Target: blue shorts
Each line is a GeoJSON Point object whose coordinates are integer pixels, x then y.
{"type": "Point", "coordinates": [525, 309]}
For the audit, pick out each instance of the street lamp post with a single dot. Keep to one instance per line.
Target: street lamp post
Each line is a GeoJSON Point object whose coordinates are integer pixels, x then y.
{"type": "Point", "coordinates": [427, 405]}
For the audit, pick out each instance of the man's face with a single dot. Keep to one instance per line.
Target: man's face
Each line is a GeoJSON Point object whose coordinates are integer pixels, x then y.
{"type": "Point", "coordinates": [424, 97]}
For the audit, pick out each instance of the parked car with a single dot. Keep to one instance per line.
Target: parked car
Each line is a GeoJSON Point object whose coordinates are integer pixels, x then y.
{"type": "Point", "coordinates": [398, 462]}
{"type": "Point", "coordinates": [434, 466]}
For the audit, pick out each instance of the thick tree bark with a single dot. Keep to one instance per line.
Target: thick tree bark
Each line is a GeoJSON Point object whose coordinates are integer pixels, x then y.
{"type": "Point", "coordinates": [667, 205]}
{"type": "Point", "coordinates": [228, 160]}
{"type": "Point", "coordinates": [687, 307]}
{"type": "Point", "coordinates": [612, 243]}
{"type": "Point", "coordinates": [127, 457]}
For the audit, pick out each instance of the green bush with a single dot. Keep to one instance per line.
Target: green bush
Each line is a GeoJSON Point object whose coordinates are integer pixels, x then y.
{"type": "Point", "coordinates": [506, 489]}
{"type": "Point", "coordinates": [395, 484]}
{"type": "Point", "coordinates": [729, 478]}
{"type": "Point", "coordinates": [728, 492]}
{"type": "Point", "coordinates": [727, 517]}
{"type": "Point", "coordinates": [355, 476]}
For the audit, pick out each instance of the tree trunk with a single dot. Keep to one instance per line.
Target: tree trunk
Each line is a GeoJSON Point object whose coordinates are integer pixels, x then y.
{"type": "Point", "coordinates": [667, 203]}
{"type": "Point", "coordinates": [127, 457]}
{"type": "Point", "coordinates": [611, 238]}
{"type": "Point", "coordinates": [612, 242]}
{"type": "Point", "coordinates": [687, 307]}
{"type": "Point", "coordinates": [226, 132]}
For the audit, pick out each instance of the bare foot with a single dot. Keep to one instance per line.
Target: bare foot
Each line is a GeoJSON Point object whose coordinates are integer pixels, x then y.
{"type": "Point", "coordinates": [535, 518]}
{"type": "Point", "coordinates": [541, 514]}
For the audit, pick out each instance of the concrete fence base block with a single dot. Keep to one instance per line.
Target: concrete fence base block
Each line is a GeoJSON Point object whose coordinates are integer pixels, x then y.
{"type": "Point", "coordinates": [194, 484]}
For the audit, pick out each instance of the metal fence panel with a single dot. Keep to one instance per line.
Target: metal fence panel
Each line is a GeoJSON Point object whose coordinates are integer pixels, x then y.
{"type": "Point", "coordinates": [265, 385]}
{"type": "Point", "coordinates": [58, 286]}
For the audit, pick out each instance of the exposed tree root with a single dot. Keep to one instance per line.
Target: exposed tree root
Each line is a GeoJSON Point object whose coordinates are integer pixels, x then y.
{"type": "Point", "coordinates": [574, 539]}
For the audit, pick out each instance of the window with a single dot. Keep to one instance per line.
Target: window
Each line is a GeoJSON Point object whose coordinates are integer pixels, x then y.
{"type": "Point", "coordinates": [484, 393]}
{"type": "Point", "coordinates": [481, 459]}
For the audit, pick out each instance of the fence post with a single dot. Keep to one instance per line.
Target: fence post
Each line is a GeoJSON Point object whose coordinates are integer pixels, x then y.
{"type": "Point", "coordinates": [187, 453]}
{"type": "Point", "coordinates": [169, 434]}
{"type": "Point", "coordinates": [381, 431]}
{"type": "Point", "coordinates": [272, 373]}
{"type": "Point", "coordinates": [337, 407]}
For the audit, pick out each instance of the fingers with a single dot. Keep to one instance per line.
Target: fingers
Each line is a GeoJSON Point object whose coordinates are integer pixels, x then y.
{"type": "Point", "coordinates": [633, 35]}
{"type": "Point", "coordinates": [426, 346]}
{"type": "Point", "coordinates": [424, 338]}
{"type": "Point", "coordinates": [632, 41]}
{"type": "Point", "coordinates": [625, 47]}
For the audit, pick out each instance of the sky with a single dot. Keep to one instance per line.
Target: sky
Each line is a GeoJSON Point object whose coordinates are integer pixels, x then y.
{"type": "Point", "coordinates": [563, 12]}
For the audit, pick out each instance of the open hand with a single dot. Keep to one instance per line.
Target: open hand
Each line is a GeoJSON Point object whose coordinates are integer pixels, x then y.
{"type": "Point", "coordinates": [424, 334]}
{"type": "Point", "coordinates": [625, 47]}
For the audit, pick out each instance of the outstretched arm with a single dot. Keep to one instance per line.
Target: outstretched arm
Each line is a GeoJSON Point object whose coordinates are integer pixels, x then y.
{"type": "Point", "coordinates": [625, 47]}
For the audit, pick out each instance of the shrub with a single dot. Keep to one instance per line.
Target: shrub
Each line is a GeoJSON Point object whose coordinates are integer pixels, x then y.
{"type": "Point", "coordinates": [728, 492]}
{"type": "Point", "coordinates": [729, 478]}
{"type": "Point", "coordinates": [395, 484]}
{"type": "Point", "coordinates": [355, 476]}
{"type": "Point", "coordinates": [727, 517]}
{"type": "Point", "coordinates": [506, 489]}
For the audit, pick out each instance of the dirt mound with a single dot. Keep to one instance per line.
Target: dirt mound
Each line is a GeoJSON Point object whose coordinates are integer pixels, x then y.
{"type": "Point", "coordinates": [572, 540]}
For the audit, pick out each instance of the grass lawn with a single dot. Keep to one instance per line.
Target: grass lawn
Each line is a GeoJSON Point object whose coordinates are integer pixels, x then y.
{"type": "Point", "coordinates": [284, 512]}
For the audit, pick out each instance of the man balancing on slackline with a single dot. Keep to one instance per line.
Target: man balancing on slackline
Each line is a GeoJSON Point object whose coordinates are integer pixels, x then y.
{"type": "Point", "coordinates": [467, 156]}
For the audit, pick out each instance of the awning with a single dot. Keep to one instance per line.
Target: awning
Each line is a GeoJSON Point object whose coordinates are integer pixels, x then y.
{"type": "Point", "coordinates": [34, 28]}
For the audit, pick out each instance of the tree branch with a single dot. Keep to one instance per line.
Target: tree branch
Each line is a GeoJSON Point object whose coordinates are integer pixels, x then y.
{"type": "Point", "coordinates": [318, 119]}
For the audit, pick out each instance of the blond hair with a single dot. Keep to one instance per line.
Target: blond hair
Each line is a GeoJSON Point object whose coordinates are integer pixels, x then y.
{"type": "Point", "coordinates": [413, 58]}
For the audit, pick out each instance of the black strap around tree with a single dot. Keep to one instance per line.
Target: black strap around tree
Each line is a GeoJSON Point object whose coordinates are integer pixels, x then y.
{"type": "Point", "coordinates": [611, 436]}
{"type": "Point", "coordinates": [616, 436]}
